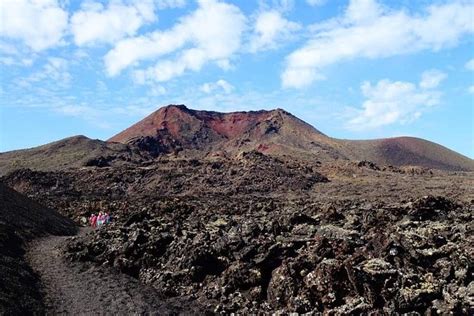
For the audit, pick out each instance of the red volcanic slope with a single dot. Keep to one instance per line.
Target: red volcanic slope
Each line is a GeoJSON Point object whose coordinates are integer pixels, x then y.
{"type": "Point", "coordinates": [233, 124]}
{"type": "Point", "coordinates": [181, 123]}
{"type": "Point", "coordinates": [175, 118]}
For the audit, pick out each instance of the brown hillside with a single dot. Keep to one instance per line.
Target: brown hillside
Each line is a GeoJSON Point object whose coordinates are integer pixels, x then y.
{"type": "Point", "coordinates": [406, 151]}
{"type": "Point", "coordinates": [187, 133]}
{"type": "Point", "coordinates": [183, 124]}
{"type": "Point", "coordinates": [71, 152]}
{"type": "Point", "coordinates": [175, 128]}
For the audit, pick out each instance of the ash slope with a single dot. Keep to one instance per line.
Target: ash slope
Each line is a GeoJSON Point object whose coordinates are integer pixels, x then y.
{"type": "Point", "coordinates": [177, 131]}
{"type": "Point", "coordinates": [22, 220]}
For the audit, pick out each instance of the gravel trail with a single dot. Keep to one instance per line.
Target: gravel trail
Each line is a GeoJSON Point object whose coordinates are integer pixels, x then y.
{"type": "Point", "coordinates": [85, 289]}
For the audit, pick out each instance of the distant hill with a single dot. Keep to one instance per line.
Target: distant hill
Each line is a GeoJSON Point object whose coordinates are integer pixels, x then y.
{"type": "Point", "coordinates": [71, 152]}
{"type": "Point", "coordinates": [179, 131]}
{"type": "Point", "coordinates": [408, 151]}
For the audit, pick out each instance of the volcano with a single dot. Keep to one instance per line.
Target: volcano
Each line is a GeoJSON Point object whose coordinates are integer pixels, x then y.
{"type": "Point", "coordinates": [175, 128]}
{"type": "Point", "coordinates": [179, 132]}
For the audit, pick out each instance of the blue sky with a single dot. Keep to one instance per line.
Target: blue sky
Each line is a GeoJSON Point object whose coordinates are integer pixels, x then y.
{"type": "Point", "coordinates": [354, 69]}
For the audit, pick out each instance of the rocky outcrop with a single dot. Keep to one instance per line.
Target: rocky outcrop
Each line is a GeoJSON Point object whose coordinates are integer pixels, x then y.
{"type": "Point", "coordinates": [77, 193]}
{"type": "Point", "coordinates": [333, 258]}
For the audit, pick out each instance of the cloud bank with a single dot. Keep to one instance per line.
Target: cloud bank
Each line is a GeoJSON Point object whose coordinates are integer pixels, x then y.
{"type": "Point", "coordinates": [369, 30]}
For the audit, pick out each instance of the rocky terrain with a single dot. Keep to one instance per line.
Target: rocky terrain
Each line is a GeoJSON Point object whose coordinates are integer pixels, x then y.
{"type": "Point", "coordinates": [253, 212]}
{"type": "Point", "coordinates": [258, 234]}
{"type": "Point", "coordinates": [340, 257]}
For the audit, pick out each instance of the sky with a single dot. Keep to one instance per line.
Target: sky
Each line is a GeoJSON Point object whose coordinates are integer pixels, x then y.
{"type": "Point", "coordinates": [357, 69]}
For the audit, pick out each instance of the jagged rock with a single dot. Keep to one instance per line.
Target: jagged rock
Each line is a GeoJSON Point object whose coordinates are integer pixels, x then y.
{"type": "Point", "coordinates": [368, 164]}
{"type": "Point", "coordinates": [430, 207]}
{"type": "Point", "coordinates": [98, 162]}
{"type": "Point", "coordinates": [263, 238]}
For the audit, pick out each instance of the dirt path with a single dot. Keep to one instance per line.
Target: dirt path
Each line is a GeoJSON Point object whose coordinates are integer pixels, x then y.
{"type": "Point", "coordinates": [75, 289]}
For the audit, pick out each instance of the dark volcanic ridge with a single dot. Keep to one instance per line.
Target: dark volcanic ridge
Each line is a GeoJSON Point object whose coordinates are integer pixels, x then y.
{"type": "Point", "coordinates": [22, 220]}
{"type": "Point", "coordinates": [184, 133]}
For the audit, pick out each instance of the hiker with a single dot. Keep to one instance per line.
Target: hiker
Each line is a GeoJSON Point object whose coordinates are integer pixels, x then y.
{"type": "Point", "coordinates": [100, 219]}
{"type": "Point", "coordinates": [93, 220]}
{"type": "Point", "coordinates": [107, 218]}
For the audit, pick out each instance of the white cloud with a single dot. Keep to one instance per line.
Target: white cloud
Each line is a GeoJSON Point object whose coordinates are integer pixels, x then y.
{"type": "Point", "coordinates": [211, 33]}
{"type": "Point", "coordinates": [76, 110]}
{"type": "Point", "coordinates": [221, 84]}
{"type": "Point", "coordinates": [270, 28]}
{"type": "Point", "coordinates": [40, 24]}
{"type": "Point", "coordinates": [192, 59]}
{"type": "Point", "coordinates": [9, 61]}
{"type": "Point", "coordinates": [157, 90]}
{"type": "Point", "coordinates": [8, 49]}
{"type": "Point", "coordinates": [363, 11]}
{"type": "Point", "coordinates": [224, 64]}
{"type": "Point", "coordinates": [55, 70]}
{"type": "Point", "coordinates": [470, 65]}
{"type": "Point", "coordinates": [93, 115]}
{"type": "Point", "coordinates": [432, 78]}
{"type": "Point", "coordinates": [316, 3]}
{"type": "Point", "coordinates": [388, 102]}
{"type": "Point", "coordinates": [96, 23]}
{"type": "Point", "coordinates": [170, 4]}
{"type": "Point", "coordinates": [369, 30]}
{"type": "Point", "coordinates": [277, 5]}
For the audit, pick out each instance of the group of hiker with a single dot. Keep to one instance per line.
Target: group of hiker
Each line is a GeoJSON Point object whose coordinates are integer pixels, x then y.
{"type": "Point", "coordinates": [98, 220]}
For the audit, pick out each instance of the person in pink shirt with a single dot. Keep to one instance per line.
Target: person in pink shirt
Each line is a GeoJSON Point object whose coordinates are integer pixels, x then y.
{"type": "Point", "coordinates": [93, 220]}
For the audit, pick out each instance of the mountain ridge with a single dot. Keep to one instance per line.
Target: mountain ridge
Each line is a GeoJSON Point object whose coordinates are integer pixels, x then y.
{"type": "Point", "coordinates": [279, 132]}
{"type": "Point", "coordinates": [182, 132]}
